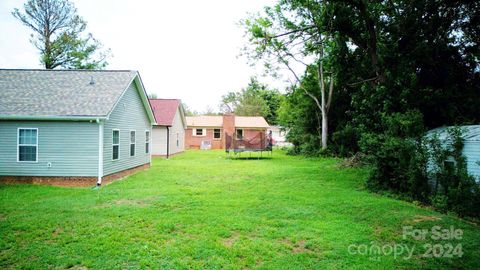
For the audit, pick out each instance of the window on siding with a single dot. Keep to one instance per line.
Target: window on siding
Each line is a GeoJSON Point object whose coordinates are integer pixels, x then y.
{"type": "Point", "coordinates": [449, 165]}
{"type": "Point", "coordinates": [115, 144]}
{"type": "Point", "coordinates": [27, 144]}
{"type": "Point", "coordinates": [239, 133]}
{"type": "Point", "coordinates": [132, 143]}
{"type": "Point", "coordinates": [147, 141]}
{"type": "Point", "coordinates": [216, 133]}
{"type": "Point", "coordinates": [199, 132]}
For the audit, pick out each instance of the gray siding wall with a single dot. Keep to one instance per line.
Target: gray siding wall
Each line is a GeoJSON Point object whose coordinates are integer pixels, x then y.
{"type": "Point", "coordinates": [177, 132]}
{"type": "Point", "coordinates": [70, 147]}
{"type": "Point", "coordinates": [471, 151]}
{"type": "Point", "coordinates": [129, 114]}
{"type": "Point", "coordinates": [159, 140]}
{"type": "Point", "coordinates": [160, 137]}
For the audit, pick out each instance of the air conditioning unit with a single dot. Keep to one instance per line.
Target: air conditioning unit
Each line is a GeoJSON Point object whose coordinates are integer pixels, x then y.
{"type": "Point", "coordinates": [206, 145]}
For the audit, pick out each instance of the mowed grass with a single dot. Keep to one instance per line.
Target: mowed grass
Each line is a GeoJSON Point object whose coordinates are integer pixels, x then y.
{"type": "Point", "coordinates": [199, 210]}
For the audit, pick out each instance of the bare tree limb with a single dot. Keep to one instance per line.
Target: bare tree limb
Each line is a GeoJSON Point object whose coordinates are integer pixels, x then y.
{"type": "Point", "coordinates": [362, 81]}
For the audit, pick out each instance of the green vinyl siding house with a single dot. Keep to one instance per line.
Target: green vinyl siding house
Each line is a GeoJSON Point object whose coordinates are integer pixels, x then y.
{"type": "Point", "coordinates": [73, 126]}
{"type": "Point", "coordinates": [471, 147]}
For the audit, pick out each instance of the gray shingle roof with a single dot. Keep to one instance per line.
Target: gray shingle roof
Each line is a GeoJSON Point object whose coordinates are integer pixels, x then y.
{"type": "Point", "coordinates": [61, 93]}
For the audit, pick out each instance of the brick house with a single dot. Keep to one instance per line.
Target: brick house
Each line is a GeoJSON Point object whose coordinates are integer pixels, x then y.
{"type": "Point", "coordinates": [211, 130]}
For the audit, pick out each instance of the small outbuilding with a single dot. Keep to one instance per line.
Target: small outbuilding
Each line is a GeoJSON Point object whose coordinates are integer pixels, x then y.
{"type": "Point", "coordinates": [169, 131]}
{"type": "Point", "coordinates": [73, 127]}
{"type": "Point", "coordinates": [471, 149]}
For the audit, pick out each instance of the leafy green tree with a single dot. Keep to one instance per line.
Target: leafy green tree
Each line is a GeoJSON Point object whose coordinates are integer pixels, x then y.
{"type": "Point", "coordinates": [188, 111]}
{"type": "Point", "coordinates": [292, 33]}
{"type": "Point", "coordinates": [58, 35]}
{"type": "Point", "coordinates": [254, 100]}
{"type": "Point", "coordinates": [152, 96]}
{"type": "Point", "coordinates": [385, 57]}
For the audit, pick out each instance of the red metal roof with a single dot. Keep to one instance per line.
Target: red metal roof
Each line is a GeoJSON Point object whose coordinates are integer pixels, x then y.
{"type": "Point", "coordinates": [164, 110]}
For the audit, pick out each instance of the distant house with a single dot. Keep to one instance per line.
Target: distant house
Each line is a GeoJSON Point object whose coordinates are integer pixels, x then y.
{"type": "Point", "coordinates": [210, 131]}
{"type": "Point", "coordinates": [73, 127]}
{"type": "Point", "coordinates": [168, 135]}
{"type": "Point", "coordinates": [279, 136]}
{"type": "Point", "coordinates": [471, 149]}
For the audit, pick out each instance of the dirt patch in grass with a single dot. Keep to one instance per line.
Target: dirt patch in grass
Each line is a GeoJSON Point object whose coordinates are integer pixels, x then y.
{"type": "Point", "coordinates": [420, 218]}
{"type": "Point", "coordinates": [297, 247]}
{"type": "Point", "coordinates": [300, 247]}
{"type": "Point", "coordinates": [78, 267]}
{"type": "Point", "coordinates": [228, 242]}
{"type": "Point", "coordinates": [57, 231]}
{"type": "Point", "coordinates": [129, 202]}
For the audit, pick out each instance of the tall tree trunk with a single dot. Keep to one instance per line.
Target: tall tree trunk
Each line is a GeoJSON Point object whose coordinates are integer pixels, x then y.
{"type": "Point", "coordinates": [323, 107]}
{"type": "Point", "coordinates": [324, 130]}
{"type": "Point", "coordinates": [47, 54]}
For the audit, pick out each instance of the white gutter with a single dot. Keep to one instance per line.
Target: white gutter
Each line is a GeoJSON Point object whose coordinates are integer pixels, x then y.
{"type": "Point", "coordinates": [100, 152]}
{"type": "Point", "coordinates": [53, 118]}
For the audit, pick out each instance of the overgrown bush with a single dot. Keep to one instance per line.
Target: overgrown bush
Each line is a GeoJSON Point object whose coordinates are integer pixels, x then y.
{"type": "Point", "coordinates": [306, 145]}
{"type": "Point", "coordinates": [454, 189]}
{"type": "Point", "coordinates": [398, 156]}
{"type": "Point", "coordinates": [429, 170]}
{"type": "Point", "coordinates": [345, 141]}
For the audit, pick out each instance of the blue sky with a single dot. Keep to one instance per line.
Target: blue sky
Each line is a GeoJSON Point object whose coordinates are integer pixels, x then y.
{"type": "Point", "coordinates": [183, 49]}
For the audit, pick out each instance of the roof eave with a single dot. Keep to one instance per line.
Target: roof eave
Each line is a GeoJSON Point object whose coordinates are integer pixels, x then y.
{"type": "Point", "coordinates": [204, 126]}
{"type": "Point", "coordinates": [251, 127]}
{"type": "Point", "coordinates": [182, 115]}
{"type": "Point", "coordinates": [52, 118]}
{"type": "Point", "coordinates": [143, 96]}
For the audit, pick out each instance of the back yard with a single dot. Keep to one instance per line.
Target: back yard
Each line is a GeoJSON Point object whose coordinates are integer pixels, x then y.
{"type": "Point", "coordinates": [199, 210]}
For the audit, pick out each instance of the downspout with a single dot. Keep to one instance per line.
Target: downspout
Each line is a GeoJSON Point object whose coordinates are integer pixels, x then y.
{"type": "Point", "coordinates": [168, 141]}
{"type": "Point", "coordinates": [100, 153]}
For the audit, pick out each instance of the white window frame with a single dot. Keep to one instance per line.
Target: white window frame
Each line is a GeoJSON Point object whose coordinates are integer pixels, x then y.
{"type": "Point", "coordinates": [204, 132]}
{"type": "Point", "coordinates": [114, 144]}
{"type": "Point", "coordinates": [219, 138]}
{"type": "Point", "coordinates": [147, 148]}
{"type": "Point", "coordinates": [134, 143]}
{"type": "Point", "coordinates": [236, 133]}
{"type": "Point", "coordinates": [18, 145]}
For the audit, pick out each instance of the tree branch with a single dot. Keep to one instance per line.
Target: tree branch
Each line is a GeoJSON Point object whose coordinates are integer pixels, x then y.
{"type": "Point", "coordinates": [362, 81]}
{"type": "Point", "coordinates": [291, 32]}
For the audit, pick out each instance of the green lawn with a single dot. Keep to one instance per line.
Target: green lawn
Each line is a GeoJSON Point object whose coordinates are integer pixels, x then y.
{"type": "Point", "coordinates": [200, 210]}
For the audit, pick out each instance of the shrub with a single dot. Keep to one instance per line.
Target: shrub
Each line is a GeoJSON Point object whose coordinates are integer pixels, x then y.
{"type": "Point", "coordinates": [404, 162]}
{"type": "Point", "coordinates": [398, 156]}
{"type": "Point", "coordinates": [345, 141]}
{"type": "Point", "coordinates": [454, 189]}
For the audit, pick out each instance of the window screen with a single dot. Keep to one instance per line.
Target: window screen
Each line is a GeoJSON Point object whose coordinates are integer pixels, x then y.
{"type": "Point", "coordinates": [147, 141]}
{"type": "Point", "coordinates": [216, 133]}
{"type": "Point", "coordinates": [132, 143]}
{"type": "Point", "coordinates": [27, 144]}
{"type": "Point", "coordinates": [239, 133]}
{"type": "Point", "coordinates": [115, 144]}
